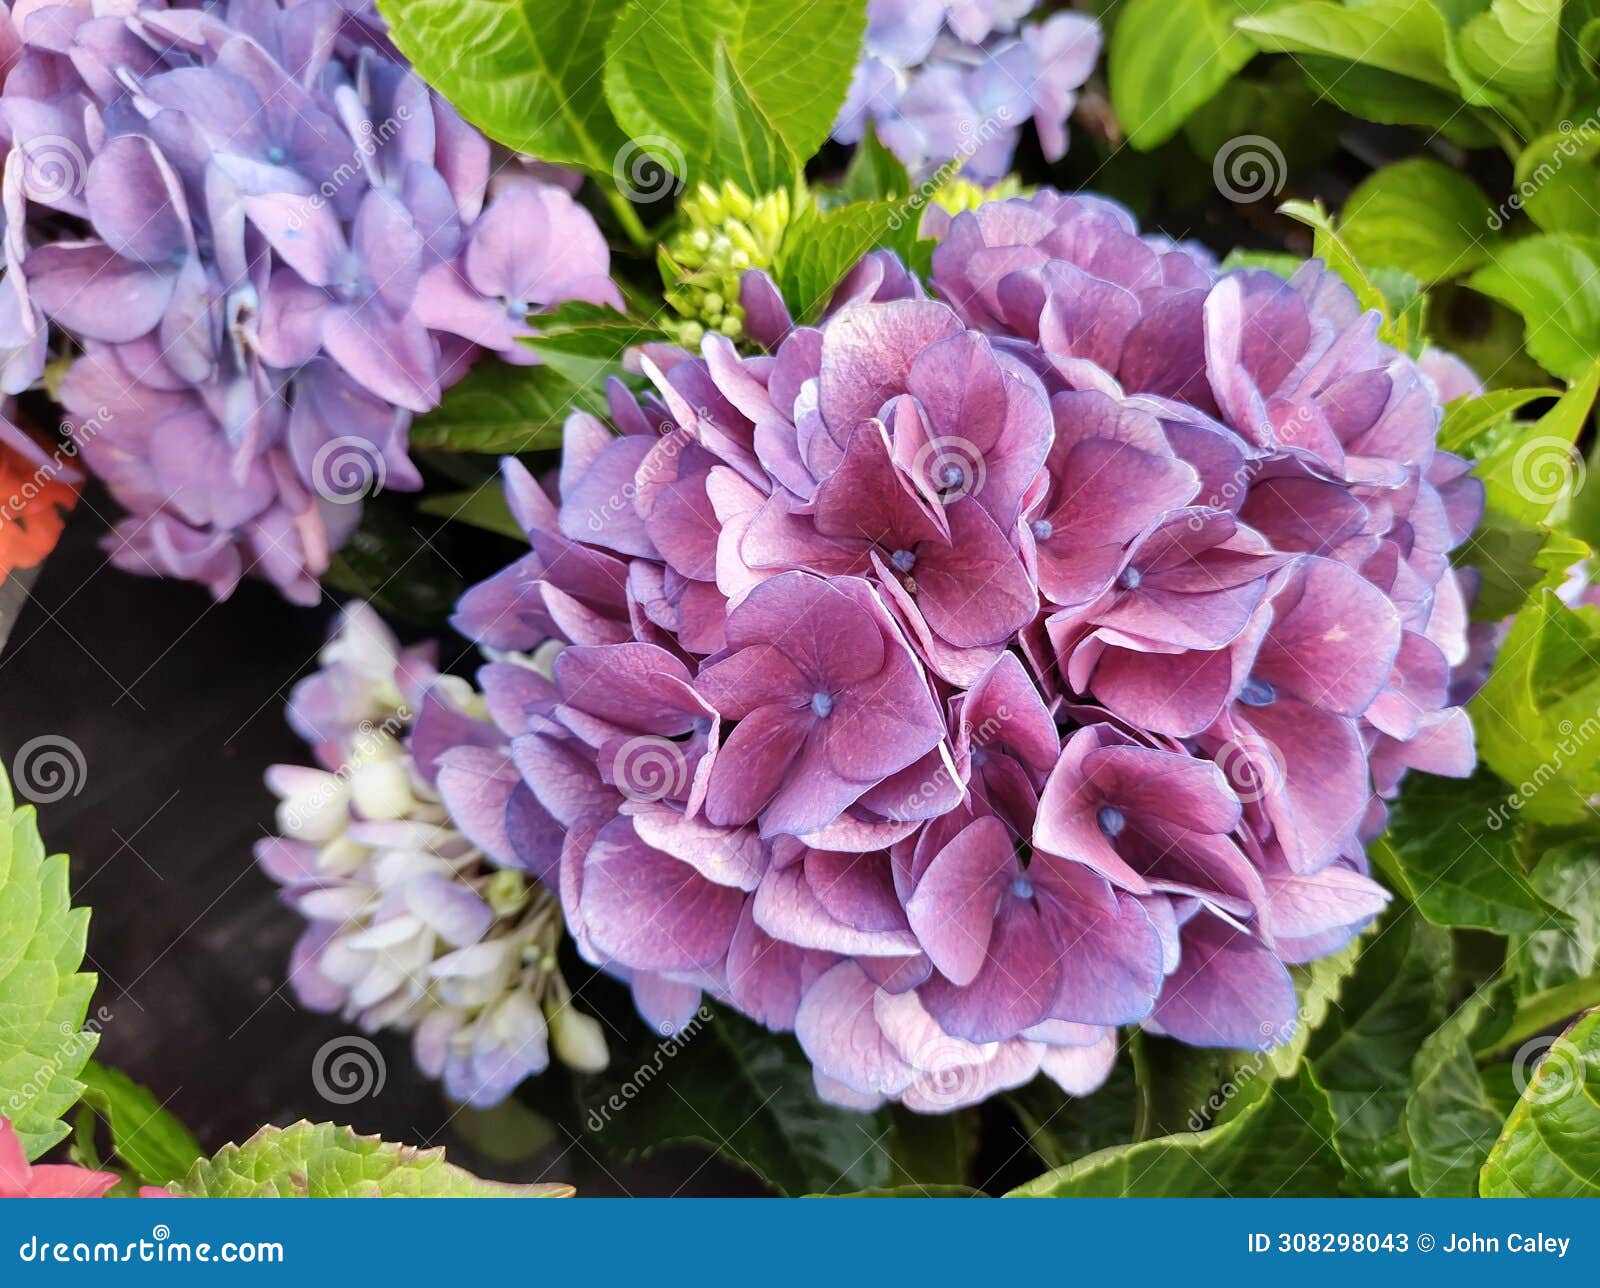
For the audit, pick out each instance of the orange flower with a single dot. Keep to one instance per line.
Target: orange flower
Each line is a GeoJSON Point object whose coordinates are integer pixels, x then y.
{"type": "Point", "coordinates": [33, 510]}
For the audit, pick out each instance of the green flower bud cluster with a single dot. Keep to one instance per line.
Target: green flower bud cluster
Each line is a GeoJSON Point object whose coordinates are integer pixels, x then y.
{"type": "Point", "coordinates": [722, 233]}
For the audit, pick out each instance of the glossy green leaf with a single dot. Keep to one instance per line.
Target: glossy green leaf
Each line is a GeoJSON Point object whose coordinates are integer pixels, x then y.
{"type": "Point", "coordinates": [735, 1088]}
{"type": "Point", "coordinates": [1279, 1145]}
{"type": "Point", "coordinates": [1550, 1145]}
{"type": "Point", "coordinates": [1538, 716]}
{"type": "Point", "coordinates": [1451, 1121]}
{"type": "Point", "coordinates": [1392, 292]}
{"type": "Point", "coordinates": [1451, 849]}
{"type": "Point", "coordinates": [820, 247]}
{"type": "Point", "coordinates": [44, 998]}
{"type": "Point", "coordinates": [1568, 877]}
{"type": "Point", "coordinates": [1167, 57]}
{"type": "Point", "coordinates": [525, 72]}
{"type": "Point", "coordinates": [1558, 181]}
{"type": "Point", "coordinates": [1418, 215]}
{"type": "Point", "coordinates": [1404, 37]}
{"type": "Point", "coordinates": [154, 1144]}
{"type": "Point", "coordinates": [1553, 281]}
{"type": "Point", "coordinates": [324, 1161]}
{"type": "Point", "coordinates": [743, 90]}
{"type": "Point", "coordinates": [482, 507]}
{"type": "Point", "coordinates": [1362, 1055]}
{"type": "Point", "coordinates": [1468, 419]}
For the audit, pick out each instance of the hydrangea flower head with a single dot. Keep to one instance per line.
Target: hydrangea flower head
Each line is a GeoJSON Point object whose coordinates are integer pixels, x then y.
{"type": "Point", "coordinates": [273, 246]}
{"type": "Point", "coordinates": [951, 82]}
{"type": "Point", "coordinates": [1000, 661]}
{"type": "Point", "coordinates": [420, 916]}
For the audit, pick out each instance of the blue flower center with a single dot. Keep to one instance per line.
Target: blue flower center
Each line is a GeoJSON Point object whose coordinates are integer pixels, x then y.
{"type": "Point", "coordinates": [277, 155]}
{"type": "Point", "coordinates": [903, 560]}
{"type": "Point", "coordinates": [517, 310]}
{"type": "Point", "coordinates": [952, 475]}
{"type": "Point", "coordinates": [822, 704]}
{"type": "Point", "coordinates": [1111, 821]}
{"type": "Point", "coordinates": [1022, 887]}
{"type": "Point", "coordinates": [1257, 693]}
{"type": "Point", "coordinates": [1043, 529]}
{"type": "Point", "coordinates": [1130, 578]}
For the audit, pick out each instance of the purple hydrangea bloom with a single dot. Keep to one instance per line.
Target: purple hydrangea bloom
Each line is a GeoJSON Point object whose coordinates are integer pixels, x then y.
{"type": "Point", "coordinates": [951, 82]}
{"type": "Point", "coordinates": [995, 663]}
{"type": "Point", "coordinates": [274, 245]}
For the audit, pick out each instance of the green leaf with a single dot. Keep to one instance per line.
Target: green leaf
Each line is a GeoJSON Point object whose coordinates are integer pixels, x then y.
{"type": "Point", "coordinates": [482, 507]}
{"type": "Point", "coordinates": [498, 408]}
{"type": "Point", "coordinates": [153, 1143]}
{"type": "Point", "coordinates": [1553, 281]}
{"type": "Point", "coordinates": [586, 342]}
{"type": "Point", "coordinates": [1511, 47]}
{"type": "Point", "coordinates": [44, 998]}
{"type": "Point", "coordinates": [1167, 57]}
{"type": "Point", "coordinates": [1392, 292]}
{"type": "Point", "coordinates": [1362, 1056]}
{"type": "Point", "coordinates": [1451, 1121]}
{"type": "Point", "coordinates": [1469, 418]}
{"type": "Point", "coordinates": [1557, 181]}
{"type": "Point", "coordinates": [744, 90]}
{"type": "Point", "coordinates": [1536, 716]}
{"type": "Point", "coordinates": [1405, 37]}
{"type": "Point", "coordinates": [1418, 215]}
{"type": "Point", "coordinates": [1533, 471]}
{"type": "Point", "coordinates": [875, 173]}
{"type": "Point", "coordinates": [1550, 1146]}
{"type": "Point", "coordinates": [748, 1094]}
{"type": "Point", "coordinates": [1279, 1145]}
{"type": "Point", "coordinates": [1451, 849]}
{"type": "Point", "coordinates": [931, 1150]}
{"type": "Point", "coordinates": [324, 1161]}
{"type": "Point", "coordinates": [1517, 562]}
{"type": "Point", "coordinates": [1567, 876]}
{"type": "Point", "coordinates": [820, 247]}
{"type": "Point", "coordinates": [525, 72]}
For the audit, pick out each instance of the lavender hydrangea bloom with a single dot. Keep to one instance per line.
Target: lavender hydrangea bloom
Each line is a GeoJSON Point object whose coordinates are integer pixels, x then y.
{"type": "Point", "coordinates": [273, 245]}
{"type": "Point", "coordinates": [975, 672]}
{"type": "Point", "coordinates": [420, 915]}
{"type": "Point", "coordinates": [953, 81]}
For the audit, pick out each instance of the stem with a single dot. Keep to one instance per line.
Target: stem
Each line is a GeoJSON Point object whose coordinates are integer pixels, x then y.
{"type": "Point", "coordinates": [627, 216]}
{"type": "Point", "coordinates": [1143, 1109]}
{"type": "Point", "coordinates": [1544, 1010]}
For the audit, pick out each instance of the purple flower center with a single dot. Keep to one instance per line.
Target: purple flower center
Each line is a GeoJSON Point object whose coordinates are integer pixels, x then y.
{"type": "Point", "coordinates": [1043, 529]}
{"type": "Point", "coordinates": [349, 281]}
{"type": "Point", "coordinates": [903, 560]}
{"type": "Point", "coordinates": [1129, 578]}
{"type": "Point", "coordinates": [1022, 888]}
{"type": "Point", "coordinates": [1257, 693]}
{"type": "Point", "coordinates": [1111, 821]}
{"type": "Point", "coordinates": [822, 704]}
